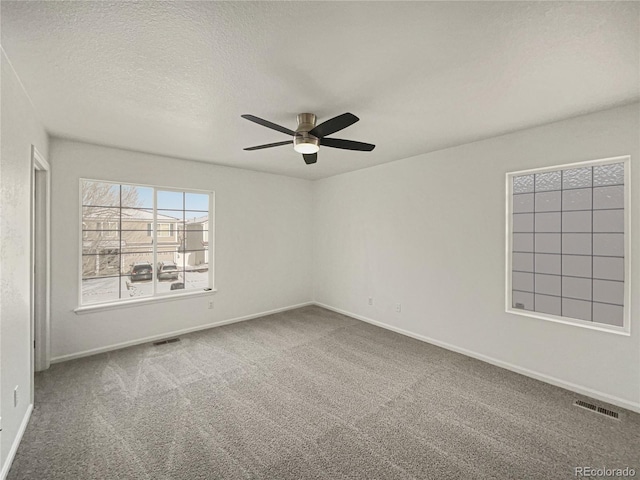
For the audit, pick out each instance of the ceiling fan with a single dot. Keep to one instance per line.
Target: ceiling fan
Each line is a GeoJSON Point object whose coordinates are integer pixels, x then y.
{"type": "Point", "coordinates": [308, 137]}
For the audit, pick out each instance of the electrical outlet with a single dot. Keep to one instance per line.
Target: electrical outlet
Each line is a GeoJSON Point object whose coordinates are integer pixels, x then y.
{"type": "Point", "coordinates": [370, 300]}
{"type": "Point", "coordinates": [398, 307]}
{"type": "Point", "coordinates": [210, 305]}
{"type": "Point", "coordinates": [15, 396]}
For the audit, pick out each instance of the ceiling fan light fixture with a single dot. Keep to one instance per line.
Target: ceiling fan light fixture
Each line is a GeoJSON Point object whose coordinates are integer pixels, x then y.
{"type": "Point", "coordinates": [306, 148]}
{"type": "Point", "coordinates": [305, 144]}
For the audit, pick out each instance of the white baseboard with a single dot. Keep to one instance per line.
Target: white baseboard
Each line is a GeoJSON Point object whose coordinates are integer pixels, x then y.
{"type": "Point", "coordinates": [16, 442]}
{"type": "Point", "coordinates": [162, 336]}
{"type": "Point", "coordinates": [605, 397]}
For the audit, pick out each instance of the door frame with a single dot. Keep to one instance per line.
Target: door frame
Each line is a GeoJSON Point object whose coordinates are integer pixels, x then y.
{"type": "Point", "coordinates": [40, 263]}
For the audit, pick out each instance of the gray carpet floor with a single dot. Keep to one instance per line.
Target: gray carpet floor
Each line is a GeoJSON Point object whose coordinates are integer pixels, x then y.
{"type": "Point", "coordinates": [304, 394]}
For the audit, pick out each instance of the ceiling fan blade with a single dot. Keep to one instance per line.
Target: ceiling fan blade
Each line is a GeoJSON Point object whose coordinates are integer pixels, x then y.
{"type": "Point", "coordinates": [334, 125]}
{"type": "Point", "coordinates": [269, 145]}
{"type": "Point", "coordinates": [268, 124]}
{"type": "Point", "coordinates": [310, 158]}
{"type": "Point", "coordinates": [346, 144]}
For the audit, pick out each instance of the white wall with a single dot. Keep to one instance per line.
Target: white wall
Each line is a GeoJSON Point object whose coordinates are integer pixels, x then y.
{"type": "Point", "coordinates": [429, 232]}
{"type": "Point", "coordinates": [20, 129]}
{"type": "Point", "coordinates": [262, 245]}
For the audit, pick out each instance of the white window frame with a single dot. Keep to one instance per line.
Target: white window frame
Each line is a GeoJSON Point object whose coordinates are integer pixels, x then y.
{"type": "Point", "coordinates": [156, 296]}
{"type": "Point", "coordinates": [626, 327]}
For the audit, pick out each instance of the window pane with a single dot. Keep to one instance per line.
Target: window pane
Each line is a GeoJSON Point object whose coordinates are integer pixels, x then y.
{"type": "Point", "coordinates": [196, 231]}
{"type": "Point", "coordinates": [608, 268]}
{"type": "Point", "coordinates": [94, 245]}
{"type": "Point", "coordinates": [608, 221]}
{"type": "Point", "coordinates": [136, 218]}
{"type": "Point", "coordinates": [94, 215]}
{"type": "Point", "coordinates": [196, 279]}
{"type": "Point", "coordinates": [608, 197]}
{"type": "Point", "coordinates": [576, 309]}
{"type": "Point", "coordinates": [612, 174]}
{"type": "Point", "coordinates": [548, 263]}
{"type": "Point", "coordinates": [548, 202]}
{"type": "Point", "coordinates": [170, 277]}
{"type": "Point", "coordinates": [136, 256]}
{"type": "Point", "coordinates": [577, 199]}
{"type": "Point", "coordinates": [608, 244]}
{"type": "Point", "coordinates": [169, 253]}
{"type": "Point", "coordinates": [548, 285]}
{"type": "Point", "coordinates": [138, 273]}
{"type": "Point", "coordinates": [104, 263]}
{"type": "Point", "coordinates": [165, 216]}
{"type": "Point", "coordinates": [548, 222]}
{"type": "Point", "coordinates": [576, 222]}
{"type": "Point", "coordinates": [137, 288]}
{"type": "Point", "coordinates": [548, 304]}
{"type": "Point", "coordinates": [172, 285]}
{"type": "Point", "coordinates": [100, 194]}
{"type": "Point", "coordinates": [100, 290]}
{"type": "Point", "coordinates": [576, 178]}
{"type": "Point", "coordinates": [170, 268]}
{"type": "Point", "coordinates": [523, 203]}
{"type": "Point", "coordinates": [166, 229]}
{"type": "Point", "coordinates": [523, 222]}
{"type": "Point", "coordinates": [197, 201]}
{"type": "Point", "coordinates": [135, 196]}
{"type": "Point", "coordinates": [577, 265]}
{"type": "Point", "coordinates": [196, 217]}
{"type": "Point", "coordinates": [522, 300]}
{"type": "Point", "coordinates": [548, 181]}
{"type": "Point", "coordinates": [522, 262]}
{"type": "Point", "coordinates": [609, 314]}
{"type": "Point", "coordinates": [136, 239]}
{"type": "Point", "coordinates": [170, 200]}
{"type": "Point", "coordinates": [523, 184]}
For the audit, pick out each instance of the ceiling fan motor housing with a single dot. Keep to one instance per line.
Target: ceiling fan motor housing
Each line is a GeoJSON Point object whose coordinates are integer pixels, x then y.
{"type": "Point", "coordinates": [302, 141]}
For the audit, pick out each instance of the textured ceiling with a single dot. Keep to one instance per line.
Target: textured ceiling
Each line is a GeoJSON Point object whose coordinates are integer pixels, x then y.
{"type": "Point", "coordinates": [173, 78]}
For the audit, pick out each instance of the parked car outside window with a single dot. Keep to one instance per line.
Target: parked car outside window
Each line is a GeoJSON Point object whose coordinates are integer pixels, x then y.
{"type": "Point", "coordinates": [167, 271]}
{"type": "Point", "coordinates": [141, 271]}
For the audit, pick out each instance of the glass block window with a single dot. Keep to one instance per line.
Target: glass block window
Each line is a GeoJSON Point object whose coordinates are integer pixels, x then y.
{"type": "Point", "coordinates": [567, 243]}
{"type": "Point", "coordinates": [142, 241]}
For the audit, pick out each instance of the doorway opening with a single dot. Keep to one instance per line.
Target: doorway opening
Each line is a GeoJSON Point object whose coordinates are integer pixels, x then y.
{"type": "Point", "coordinates": [40, 262]}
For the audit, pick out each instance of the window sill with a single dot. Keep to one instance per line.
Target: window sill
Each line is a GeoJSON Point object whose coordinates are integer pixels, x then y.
{"type": "Point", "coordinates": [601, 327]}
{"type": "Point", "coordinates": [99, 307]}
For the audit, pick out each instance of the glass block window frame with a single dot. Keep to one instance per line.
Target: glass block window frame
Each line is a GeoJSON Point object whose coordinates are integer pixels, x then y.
{"type": "Point", "coordinates": [121, 225]}
{"type": "Point", "coordinates": [567, 244]}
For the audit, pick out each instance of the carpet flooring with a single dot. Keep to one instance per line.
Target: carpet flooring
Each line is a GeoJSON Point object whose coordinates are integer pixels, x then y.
{"type": "Point", "coordinates": [306, 394]}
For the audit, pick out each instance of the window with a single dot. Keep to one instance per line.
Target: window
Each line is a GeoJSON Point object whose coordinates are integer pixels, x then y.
{"type": "Point", "coordinates": [164, 229]}
{"type": "Point", "coordinates": [109, 229]}
{"type": "Point", "coordinates": [136, 242]}
{"type": "Point", "coordinates": [567, 244]}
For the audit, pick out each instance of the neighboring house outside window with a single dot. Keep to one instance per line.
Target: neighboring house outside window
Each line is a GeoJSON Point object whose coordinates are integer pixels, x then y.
{"type": "Point", "coordinates": [108, 229]}
{"type": "Point", "coordinates": [164, 229]}
{"type": "Point", "coordinates": [196, 243]}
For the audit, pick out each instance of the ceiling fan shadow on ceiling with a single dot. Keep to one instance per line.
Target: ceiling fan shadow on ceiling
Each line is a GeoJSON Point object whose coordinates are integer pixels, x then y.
{"type": "Point", "coordinates": [308, 137]}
